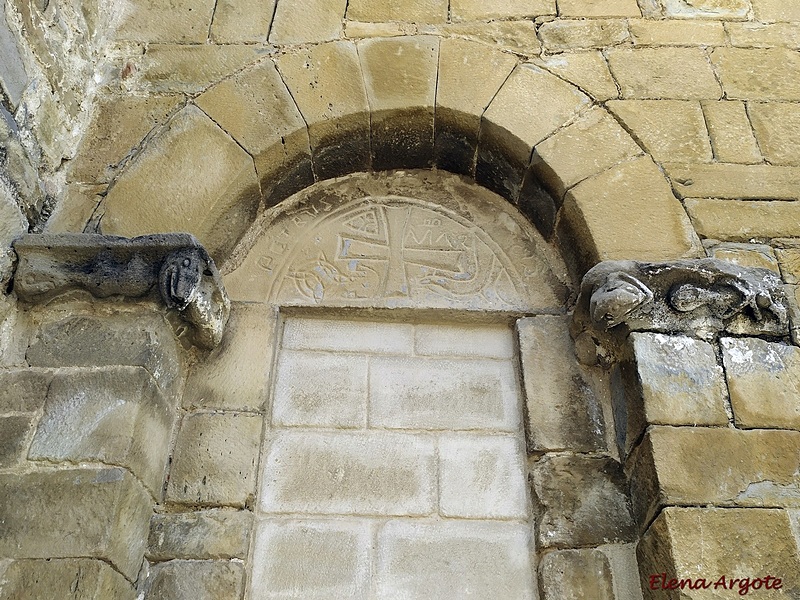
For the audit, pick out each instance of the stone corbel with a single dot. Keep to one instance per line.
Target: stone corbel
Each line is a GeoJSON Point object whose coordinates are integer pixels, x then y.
{"type": "Point", "coordinates": [701, 298]}
{"type": "Point", "coordinates": [174, 265]}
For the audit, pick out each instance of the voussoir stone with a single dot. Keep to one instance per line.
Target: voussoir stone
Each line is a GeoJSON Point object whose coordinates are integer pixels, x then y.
{"type": "Point", "coordinates": [65, 579]}
{"type": "Point", "coordinates": [99, 513]}
{"type": "Point", "coordinates": [576, 575]}
{"type": "Point", "coordinates": [157, 194]}
{"type": "Point", "coordinates": [582, 501]}
{"type": "Point", "coordinates": [587, 70]}
{"type": "Point", "coordinates": [204, 535]}
{"type": "Point", "coordinates": [764, 382]}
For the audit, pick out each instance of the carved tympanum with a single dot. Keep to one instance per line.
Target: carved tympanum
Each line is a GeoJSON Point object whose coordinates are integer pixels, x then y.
{"type": "Point", "coordinates": [698, 297]}
{"type": "Point", "coordinates": [175, 264]}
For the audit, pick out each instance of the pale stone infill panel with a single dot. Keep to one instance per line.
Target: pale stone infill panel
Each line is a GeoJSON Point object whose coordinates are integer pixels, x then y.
{"type": "Point", "coordinates": [321, 21]}
{"type": "Point", "coordinates": [235, 375]}
{"type": "Point", "coordinates": [562, 410]}
{"type": "Point", "coordinates": [490, 341]}
{"type": "Point", "coordinates": [373, 337]}
{"type": "Point", "coordinates": [590, 145]}
{"type": "Point", "coordinates": [241, 21]}
{"type": "Point", "coordinates": [313, 559]}
{"type": "Point", "coordinates": [195, 580]}
{"type": "Point", "coordinates": [576, 575]}
{"type": "Point", "coordinates": [655, 226]}
{"type": "Point", "coordinates": [215, 459]}
{"type": "Point", "coordinates": [740, 468]}
{"type": "Point", "coordinates": [477, 10]}
{"type": "Point", "coordinates": [100, 513]}
{"type": "Point", "coordinates": [707, 543]}
{"type": "Point", "coordinates": [764, 382]}
{"type": "Point", "coordinates": [670, 130]}
{"type": "Point", "coordinates": [731, 133]}
{"type": "Point", "coordinates": [184, 21]}
{"type": "Point", "coordinates": [363, 473]}
{"type": "Point", "coordinates": [482, 477]}
{"type": "Point", "coordinates": [664, 73]}
{"type": "Point", "coordinates": [681, 382]}
{"type": "Point", "coordinates": [156, 195]}
{"type": "Point", "coordinates": [427, 393]}
{"type": "Point", "coordinates": [208, 534]}
{"type": "Point", "coordinates": [73, 578]}
{"type": "Point", "coordinates": [313, 389]}
{"type": "Point", "coordinates": [453, 559]}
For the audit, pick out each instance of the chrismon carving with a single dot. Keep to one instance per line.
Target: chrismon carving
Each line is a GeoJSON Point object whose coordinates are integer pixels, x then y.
{"type": "Point", "coordinates": [175, 264]}
{"type": "Point", "coordinates": [700, 297]}
{"type": "Point", "coordinates": [346, 248]}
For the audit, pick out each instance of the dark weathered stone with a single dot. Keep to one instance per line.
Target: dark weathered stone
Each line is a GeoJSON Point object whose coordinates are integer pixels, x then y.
{"type": "Point", "coordinates": [195, 580]}
{"type": "Point", "coordinates": [23, 390]}
{"type": "Point", "coordinates": [99, 513]}
{"type": "Point", "coordinates": [576, 575]}
{"type": "Point", "coordinates": [210, 534]}
{"type": "Point", "coordinates": [64, 579]}
{"type": "Point", "coordinates": [583, 502]}
{"type": "Point", "coordinates": [174, 263]}
{"type": "Point", "coordinates": [13, 435]}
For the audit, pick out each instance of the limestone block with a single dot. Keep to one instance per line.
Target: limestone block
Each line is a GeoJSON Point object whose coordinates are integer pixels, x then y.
{"type": "Point", "coordinates": [598, 8]}
{"type": "Point", "coordinates": [364, 473]}
{"type": "Point", "coordinates": [190, 69]}
{"type": "Point", "coordinates": [75, 209]}
{"type": "Point", "coordinates": [355, 29]}
{"type": "Point", "coordinates": [746, 182]}
{"type": "Point", "coordinates": [195, 580]}
{"type": "Point", "coordinates": [184, 21]}
{"type": "Point", "coordinates": [118, 126]}
{"type": "Point", "coordinates": [428, 393]}
{"type": "Point", "coordinates": [422, 11]}
{"type": "Point", "coordinates": [775, 125]}
{"type": "Point", "coordinates": [279, 144]}
{"type": "Point", "coordinates": [23, 390]}
{"type": "Point", "coordinates": [590, 145]}
{"type": "Point", "coordinates": [655, 227]}
{"type": "Point", "coordinates": [576, 575]}
{"type": "Point", "coordinates": [760, 35]}
{"type": "Point", "coordinates": [649, 32]}
{"type": "Point", "coordinates": [155, 194]}
{"type": "Point", "coordinates": [454, 559]}
{"type": "Point", "coordinates": [242, 21]}
{"type": "Point", "coordinates": [743, 221]}
{"type": "Point", "coordinates": [731, 133]}
{"type": "Point", "coordinates": [469, 77]}
{"type": "Point", "coordinates": [587, 70]}
{"type": "Point", "coordinates": [663, 73]}
{"type": "Point", "coordinates": [13, 75]}
{"type": "Point", "coordinates": [215, 459]}
{"type": "Point", "coordinates": [723, 467]}
{"type": "Point", "coordinates": [320, 390]}
{"type": "Point", "coordinates": [562, 410]}
{"type": "Point", "coordinates": [321, 21]}
{"type": "Point", "coordinates": [489, 341]}
{"type": "Point", "coordinates": [681, 382]}
{"type": "Point", "coordinates": [747, 255]}
{"type": "Point", "coordinates": [133, 339]}
{"type": "Point", "coordinates": [518, 37]}
{"type": "Point", "coordinates": [709, 9]}
{"type": "Point", "coordinates": [709, 543]}
{"type": "Point", "coordinates": [65, 579]}
{"type": "Point", "coordinates": [311, 559]}
{"type": "Point", "coordinates": [670, 130]}
{"type": "Point", "coordinates": [776, 10]}
{"type": "Point", "coordinates": [113, 415]}
{"type": "Point", "coordinates": [573, 34]}
{"type": "Point", "coordinates": [789, 260]}
{"type": "Point", "coordinates": [400, 76]}
{"type": "Point", "coordinates": [235, 375]}
{"type": "Point", "coordinates": [12, 225]}
{"type": "Point", "coordinates": [372, 337]}
{"type": "Point", "coordinates": [475, 10]}
{"type": "Point", "coordinates": [582, 501]}
{"type": "Point", "coordinates": [482, 477]}
{"type": "Point", "coordinates": [530, 106]}
{"type": "Point", "coordinates": [764, 382]}
{"type": "Point", "coordinates": [327, 84]}
{"type": "Point", "coordinates": [97, 513]}
{"type": "Point", "coordinates": [208, 534]}
{"type": "Point", "coordinates": [13, 439]}
{"type": "Point", "coordinates": [758, 74]}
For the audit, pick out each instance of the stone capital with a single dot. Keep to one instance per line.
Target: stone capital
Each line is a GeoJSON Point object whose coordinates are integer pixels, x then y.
{"type": "Point", "coordinates": [173, 265]}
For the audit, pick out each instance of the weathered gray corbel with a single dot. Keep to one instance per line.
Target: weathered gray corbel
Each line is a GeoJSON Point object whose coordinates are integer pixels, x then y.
{"type": "Point", "coordinates": [174, 265]}
{"type": "Point", "coordinates": [695, 297]}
